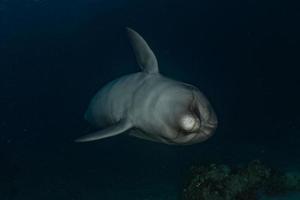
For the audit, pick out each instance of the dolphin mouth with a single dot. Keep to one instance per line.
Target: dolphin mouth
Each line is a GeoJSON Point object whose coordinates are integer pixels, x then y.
{"type": "Point", "coordinates": [208, 129]}
{"type": "Point", "coordinates": [206, 133]}
{"type": "Point", "coordinates": [211, 125]}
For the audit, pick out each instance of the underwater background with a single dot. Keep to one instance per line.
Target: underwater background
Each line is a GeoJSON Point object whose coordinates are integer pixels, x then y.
{"type": "Point", "coordinates": [54, 56]}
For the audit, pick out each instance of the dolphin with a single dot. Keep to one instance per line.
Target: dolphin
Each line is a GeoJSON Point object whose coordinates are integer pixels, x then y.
{"type": "Point", "coordinates": [150, 106]}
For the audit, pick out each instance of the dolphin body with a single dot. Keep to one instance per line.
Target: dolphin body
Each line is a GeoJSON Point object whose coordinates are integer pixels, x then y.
{"type": "Point", "coordinates": [150, 106]}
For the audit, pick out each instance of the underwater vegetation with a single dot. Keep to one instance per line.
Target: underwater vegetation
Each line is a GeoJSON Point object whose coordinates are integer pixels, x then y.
{"type": "Point", "coordinates": [250, 182]}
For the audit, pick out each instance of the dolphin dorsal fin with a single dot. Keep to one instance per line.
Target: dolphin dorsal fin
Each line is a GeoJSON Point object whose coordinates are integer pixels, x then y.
{"type": "Point", "coordinates": [144, 55]}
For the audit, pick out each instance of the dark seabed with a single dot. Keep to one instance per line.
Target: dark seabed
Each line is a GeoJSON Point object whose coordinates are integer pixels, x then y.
{"type": "Point", "coordinates": [54, 56]}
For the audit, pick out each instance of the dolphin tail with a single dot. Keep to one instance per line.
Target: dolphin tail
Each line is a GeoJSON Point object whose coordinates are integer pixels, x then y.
{"type": "Point", "coordinates": [115, 129]}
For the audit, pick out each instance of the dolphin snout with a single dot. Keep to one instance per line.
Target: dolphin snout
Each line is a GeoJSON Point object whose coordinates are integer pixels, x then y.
{"type": "Point", "coordinates": [209, 127]}
{"type": "Point", "coordinates": [213, 120]}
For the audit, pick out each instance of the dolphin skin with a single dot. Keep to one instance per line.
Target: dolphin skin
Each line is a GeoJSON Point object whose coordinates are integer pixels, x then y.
{"type": "Point", "coordinates": [150, 106]}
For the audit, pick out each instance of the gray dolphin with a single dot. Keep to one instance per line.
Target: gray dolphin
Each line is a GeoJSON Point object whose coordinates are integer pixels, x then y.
{"type": "Point", "coordinates": [150, 106]}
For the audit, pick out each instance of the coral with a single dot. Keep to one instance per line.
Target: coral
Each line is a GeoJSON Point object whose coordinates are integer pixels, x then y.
{"type": "Point", "coordinates": [220, 182]}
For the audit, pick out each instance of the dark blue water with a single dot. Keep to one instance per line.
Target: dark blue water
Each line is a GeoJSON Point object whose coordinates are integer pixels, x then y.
{"type": "Point", "coordinates": [54, 55]}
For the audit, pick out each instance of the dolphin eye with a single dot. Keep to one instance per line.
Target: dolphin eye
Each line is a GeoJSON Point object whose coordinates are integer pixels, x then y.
{"type": "Point", "coordinates": [189, 123]}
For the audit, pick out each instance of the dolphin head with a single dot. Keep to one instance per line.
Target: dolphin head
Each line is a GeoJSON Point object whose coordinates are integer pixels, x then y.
{"type": "Point", "coordinates": [203, 119]}
{"type": "Point", "coordinates": [191, 119]}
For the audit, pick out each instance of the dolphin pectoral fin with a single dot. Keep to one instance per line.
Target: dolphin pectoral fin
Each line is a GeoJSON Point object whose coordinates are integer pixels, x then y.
{"type": "Point", "coordinates": [144, 55]}
{"type": "Point", "coordinates": [113, 130]}
{"type": "Point", "coordinates": [139, 134]}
